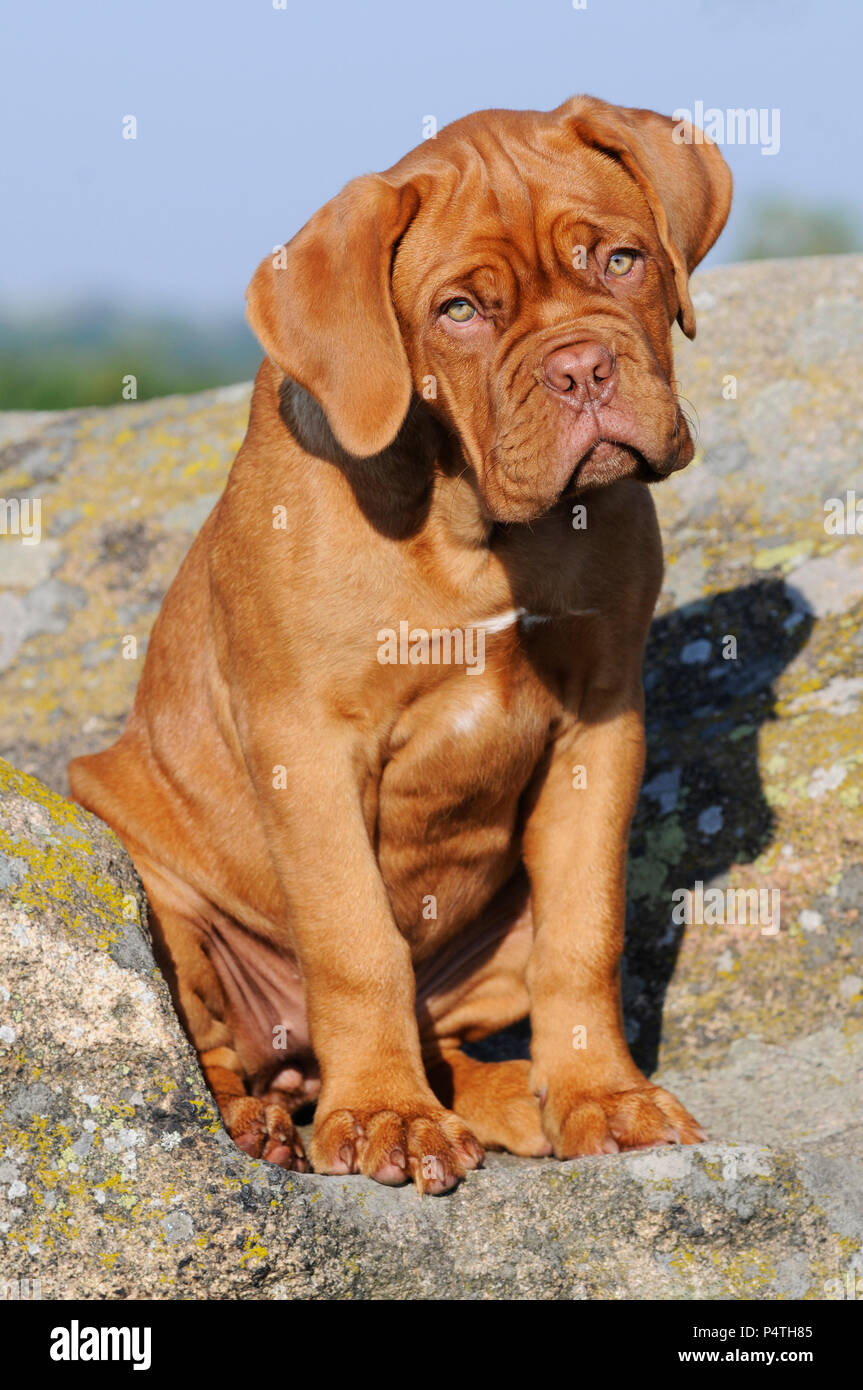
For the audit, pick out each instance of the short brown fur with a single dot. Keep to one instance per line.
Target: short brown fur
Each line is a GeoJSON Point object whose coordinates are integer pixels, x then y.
{"type": "Point", "coordinates": [353, 867]}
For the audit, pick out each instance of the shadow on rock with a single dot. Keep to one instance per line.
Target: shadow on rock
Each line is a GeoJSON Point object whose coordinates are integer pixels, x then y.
{"type": "Point", "coordinates": [709, 673]}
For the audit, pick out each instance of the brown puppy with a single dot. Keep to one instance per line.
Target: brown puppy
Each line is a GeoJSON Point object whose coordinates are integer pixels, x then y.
{"type": "Point", "coordinates": [380, 769]}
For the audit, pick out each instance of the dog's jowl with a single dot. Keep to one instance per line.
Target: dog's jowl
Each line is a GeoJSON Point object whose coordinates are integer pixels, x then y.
{"type": "Point", "coordinates": [356, 862]}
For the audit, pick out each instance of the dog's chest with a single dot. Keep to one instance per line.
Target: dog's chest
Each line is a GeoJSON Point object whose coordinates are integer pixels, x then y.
{"type": "Point", "coordinates": [462, 756]}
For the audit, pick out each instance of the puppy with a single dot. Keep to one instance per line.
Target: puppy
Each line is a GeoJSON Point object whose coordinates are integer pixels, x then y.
{"type": "Point", "coordinates": [380, 769]}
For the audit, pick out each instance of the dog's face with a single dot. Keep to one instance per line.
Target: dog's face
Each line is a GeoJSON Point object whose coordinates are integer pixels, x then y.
{"type": "Point", "coordinates": [521, 274]}
{"type": "Point", "coordinates": [540, 316]}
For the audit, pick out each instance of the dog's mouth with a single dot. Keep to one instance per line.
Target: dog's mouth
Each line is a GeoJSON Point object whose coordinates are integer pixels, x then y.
{"type": "Point", "coordinates": [587, 448]}
{"type": "Point", "coordinates": [607, 461]}
{"type": "Point", "coordinates": [608, 444]}
{"type": "Point", "coordinates": [599, 440]}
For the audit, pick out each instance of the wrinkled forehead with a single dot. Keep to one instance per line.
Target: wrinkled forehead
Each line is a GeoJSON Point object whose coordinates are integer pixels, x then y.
{"type": "Point", "coordinates": [519, 200]}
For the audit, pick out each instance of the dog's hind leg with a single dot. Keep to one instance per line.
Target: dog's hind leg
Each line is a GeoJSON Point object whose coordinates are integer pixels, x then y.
{"type": "Point", "coordinates": [260, 1124]}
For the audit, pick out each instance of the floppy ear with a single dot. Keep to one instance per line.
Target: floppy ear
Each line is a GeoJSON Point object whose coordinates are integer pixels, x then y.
{"type": "Point", "coordinates": [680, 171]}
{"type": "Point", "coordinates": [322, 309]}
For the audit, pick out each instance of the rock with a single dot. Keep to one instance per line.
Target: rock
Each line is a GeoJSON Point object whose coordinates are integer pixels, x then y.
{"type": "Point", "coordinates": [116, 1178]}
{"type": "Point", "coordinates": [122, 493]}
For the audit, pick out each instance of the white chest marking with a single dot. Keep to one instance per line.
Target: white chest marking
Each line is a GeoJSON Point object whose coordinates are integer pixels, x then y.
{"type": "Point", "coordinates": [501, 621]}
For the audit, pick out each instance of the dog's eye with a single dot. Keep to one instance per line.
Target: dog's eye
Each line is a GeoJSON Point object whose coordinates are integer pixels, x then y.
{"type": "Point", "coordinates": [620, 263]}
{"type": "Point", "coordinates": [460, 311]}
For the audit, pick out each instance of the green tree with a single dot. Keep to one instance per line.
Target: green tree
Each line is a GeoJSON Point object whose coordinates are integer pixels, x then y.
{"type": "Point", "coordinates": [775, 226]}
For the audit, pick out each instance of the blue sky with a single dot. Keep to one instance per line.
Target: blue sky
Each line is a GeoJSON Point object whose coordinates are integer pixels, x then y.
{"type": "Point", "coordinates": [249, 117]}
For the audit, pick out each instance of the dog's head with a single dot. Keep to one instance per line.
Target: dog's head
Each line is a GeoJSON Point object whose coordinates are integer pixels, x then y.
{"type": "Point", "coordinates": [520, 273]}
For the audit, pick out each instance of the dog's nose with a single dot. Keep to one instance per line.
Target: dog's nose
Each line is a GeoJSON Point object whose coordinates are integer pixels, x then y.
{"type": "Point", "coordinates": [585, 369]}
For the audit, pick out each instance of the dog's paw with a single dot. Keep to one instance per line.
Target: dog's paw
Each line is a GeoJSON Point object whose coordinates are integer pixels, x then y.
{"type": "Point", "coordinates": [264, 1130]}
{"type": "Point", "coordinates": [608, 1121]}
{"type": "Point", "coordinates": [495, 1100]}
{"type": "Point", "coordinates": [430, 1146]}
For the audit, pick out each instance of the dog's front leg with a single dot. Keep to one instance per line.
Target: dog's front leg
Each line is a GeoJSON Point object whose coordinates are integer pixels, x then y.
{"type": "Point", "coordinates": [376, 1113]}
{"type": "Point", "coordinates": [594, 1099]}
